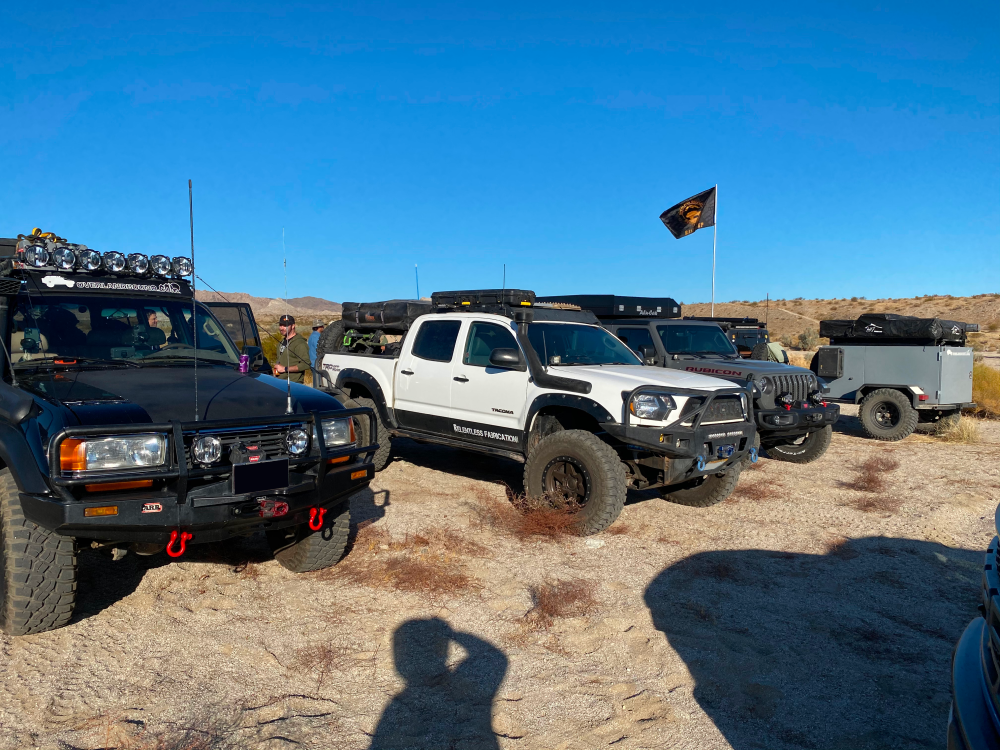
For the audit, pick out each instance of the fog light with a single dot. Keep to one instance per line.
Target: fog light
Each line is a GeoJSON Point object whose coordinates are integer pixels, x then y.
{"type": "Point", "coordinates": [297, 442]}
{"type": "Point", "coordinates": [36, 255]}
{"type": "Point", "coordinates": [160, 265]}
{"type": "Point", "coordinates": [138, 263]}
{"type": "Point", "coordinates": [90, 260]}
{"type": "Point", "coordinates": [182, 266]}
{"type": "Point", "coordinates": [114, 261]}
{"type": "Point", "coordinates": [206, 450]}
{"type": "Point", "coordinates": [64, 258]}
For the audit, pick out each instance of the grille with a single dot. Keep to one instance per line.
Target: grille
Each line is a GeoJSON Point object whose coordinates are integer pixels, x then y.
{"type": "Point", "coordinates": [798, 385]}
{"type": "Point", "coordinates": [724, 409]}
{"type": "Point", "coordinates": [991, 600]}
{"type": "Point", "coordinates": [270, 439]}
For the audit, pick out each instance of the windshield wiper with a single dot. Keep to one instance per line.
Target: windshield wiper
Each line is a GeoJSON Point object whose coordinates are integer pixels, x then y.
{"type": "Point", "coordinates": [175, 358]}
{"type": "Point", "coordinates": [69, 361]}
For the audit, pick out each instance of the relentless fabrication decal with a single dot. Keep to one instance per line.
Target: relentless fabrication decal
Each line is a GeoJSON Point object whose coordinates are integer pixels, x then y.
{"type": "Point", "coordinates": [492, 435]}
{"type": "Point", "coordinates": [123, 286]}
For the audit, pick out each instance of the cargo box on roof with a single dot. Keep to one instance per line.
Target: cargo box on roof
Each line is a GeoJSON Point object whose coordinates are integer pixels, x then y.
{"type": "Point", "coordinates": [890, 328]}
{"type": "Point", "coordinates": [613, 306]}
{"type": "Point", "coordinates": [483, 298]}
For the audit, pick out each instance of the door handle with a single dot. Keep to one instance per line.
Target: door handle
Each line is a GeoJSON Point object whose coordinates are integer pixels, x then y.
{"type": "Point", "coordinates": [461, 379]}
{"type": "Point", "coordinates": [406, 372]}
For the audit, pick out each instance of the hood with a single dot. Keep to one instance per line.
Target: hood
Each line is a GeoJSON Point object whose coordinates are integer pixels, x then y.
{"type": "Point", "coordinates": [627, 377]}
{"type": "Point", "coordinates": [161, 394]}
{"type": "Point", "coordinates": [736, 369]}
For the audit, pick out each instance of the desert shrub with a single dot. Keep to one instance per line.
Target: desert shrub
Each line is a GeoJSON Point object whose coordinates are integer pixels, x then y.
{"type": "Point", "coordinates": [854, 299]}
{"type": "Point", "coordinates": [966, 431]}
{"type": "Point", "coordinates": [872, 473]}
{"type": "Point", "coordinates": [525, 518]}
{"type": "Point", "coordinates": [786, 340]}
{"type": "Point", "coordinates": [808, 339]}
{"type": "Point", "coordinates": [993, 326]}
{"type": "Point", "coordinates": [986, 390]}
{"type": "Point", "coordinates": [550, 601]}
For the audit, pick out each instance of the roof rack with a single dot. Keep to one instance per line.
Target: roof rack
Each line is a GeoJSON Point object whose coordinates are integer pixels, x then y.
{"type": "Point", "coordinates": [479, 299]}
{"type": "Point", "coordinates": [613, 306]}
{"type": "Point", "coordinates": [727, 323]}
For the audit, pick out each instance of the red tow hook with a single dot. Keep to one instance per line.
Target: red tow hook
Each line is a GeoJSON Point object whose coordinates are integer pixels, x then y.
{"type": "Point", "coordinates": [316, 518]}
{"type": "Point", "coordinates": [185, 537]}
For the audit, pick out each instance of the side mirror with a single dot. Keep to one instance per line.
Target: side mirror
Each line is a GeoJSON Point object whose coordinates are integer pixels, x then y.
{"type": "Point", "coordinates": [256, 355]}
{"type": "Point", "coordinates": [648, 354]}
{"type": "Point", "coordinates": [509, 359]}
{"type": "Point", "coordinates": [784, 354]}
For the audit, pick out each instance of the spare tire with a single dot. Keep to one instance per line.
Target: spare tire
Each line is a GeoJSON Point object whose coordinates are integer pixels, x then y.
{"type": "Point", "coordinates": [760, 351]}
{"type": "Point", "coordinates": [329, 341]}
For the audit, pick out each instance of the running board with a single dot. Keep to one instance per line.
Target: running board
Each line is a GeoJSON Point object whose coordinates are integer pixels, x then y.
{"type": "Point", "coordinates": [426, 437]}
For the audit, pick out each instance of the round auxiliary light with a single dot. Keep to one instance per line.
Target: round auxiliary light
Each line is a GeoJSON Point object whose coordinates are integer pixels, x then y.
{"type": "Point", "coordinates": [114, 261]}
{"type": "Point", "coordinates": [138, 263]}
{"type": "Point", "coordinates": [297, 442]}
{"type": "Point", "coordinates": [90, 260]}
{"type": "Point", "coordinates": [160, 265]}
{"type": "Point", "coordinates": [183, 266]}
{"type": "Point", "coordinates": [64, 258]}
{"type": "Point", "coordinates": [36, 255]}
{"type": "Point", "coordinates": [206, 450]}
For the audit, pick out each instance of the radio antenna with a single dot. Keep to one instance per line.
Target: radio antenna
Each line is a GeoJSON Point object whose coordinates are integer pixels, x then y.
{"type": "Point", "coordinates": [416, 275]}
{"type": "Point", "coordinates": [194, 319]}
{"type": "Point", "coordinates": [288, 354]}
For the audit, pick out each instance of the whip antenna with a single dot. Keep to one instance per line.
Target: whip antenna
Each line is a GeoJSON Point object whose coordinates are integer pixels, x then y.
{"type": "Point", "coordinates": [194, 319]}
{"type": "Point", "coordinates": [288, 354]}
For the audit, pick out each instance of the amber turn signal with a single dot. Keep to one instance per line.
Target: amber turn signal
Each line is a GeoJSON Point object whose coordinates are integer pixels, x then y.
{"type": "Point", "coordinates": [73, 455]}
{"type": "Point", "coordinates": [359, 474]}
{"type": "Point", "coordinates": [101, 510]}
{"type": "Point", "coordinates": [111, 486]}
{"type": "Point", "coordinates": [339, 460]}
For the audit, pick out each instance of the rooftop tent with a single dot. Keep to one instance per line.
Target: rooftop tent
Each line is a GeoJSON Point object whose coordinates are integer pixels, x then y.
{"type": "Point", "coordinates": [888, 327]}
{"type": "Point", "coordinates": [391, 315]}
{"type": "Point", "coordinates": [613, 306]}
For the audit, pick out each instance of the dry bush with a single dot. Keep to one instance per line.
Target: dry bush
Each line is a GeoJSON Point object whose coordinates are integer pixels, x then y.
{"type": "Point", "coordinates": [872, 473]}
{"type": "Point", "coordinates": [757, 490]}
{"type": "Point", "coordinates": [877, 503]}
{"type": "Point", "coordinates": [321, 660]}
{"type": "Point", "coordinates": [525, 518]}
{"type": "Point", "coordinates": [210, 729]}
{"type": "Point", "coordinates": [986, 390]}
{"type": "Point", "coordinates": [550, 601]}
{"type": "Point", "coordinates": [966, 431]}
{"type": "Point", "coordinates": [800, 359]}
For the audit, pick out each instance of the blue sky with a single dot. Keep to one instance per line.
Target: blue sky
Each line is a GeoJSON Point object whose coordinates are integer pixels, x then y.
{"type": "Point", "coordinates": [855, 145]}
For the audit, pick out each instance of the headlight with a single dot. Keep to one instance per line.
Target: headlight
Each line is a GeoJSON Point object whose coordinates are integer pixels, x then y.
{"type": "Point", "coordinates": [338, 432]}
{"type": "Point", "coordinates": [114, 261]}
{"type": "Point", "coordinates": [655, 406]}
{"type": "Point", "coordinates": [90, 260]}
{"type": "Point", "coordinates": [160, 265]}
{"type": "Point", "coordinates": [297, 442]}
{"type": "Point", "coordinates": [64, 258]}
{"type": "Point", "coordinates": [138, 263]}
{"type": "Point", "coordinates": [183, 266]}
{"type": "Point", "coordinates": [766, 386]}
{"type": "Point", "coordinates": [36, 255]}
{"type": "Point", "coordinates": [207, 449]}
{"type": "Point", "coordinates": [109, 453]}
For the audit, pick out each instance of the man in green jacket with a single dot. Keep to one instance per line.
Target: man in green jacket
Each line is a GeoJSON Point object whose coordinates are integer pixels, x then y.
{"type": "Point", "coordinates": [293, 352]}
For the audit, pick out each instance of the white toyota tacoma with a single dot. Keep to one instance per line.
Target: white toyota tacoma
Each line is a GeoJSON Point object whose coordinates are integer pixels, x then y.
{"type": "Point", "coordinates": [490, 371]}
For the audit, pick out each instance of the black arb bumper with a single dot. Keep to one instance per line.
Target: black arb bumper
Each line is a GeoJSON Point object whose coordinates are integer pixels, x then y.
{"type": "Point", "coordinates": [197, 501]}
{"type": "Point", "coordinates": [795, 420]}
{"type": "Point", "coordinates": [973, 723]}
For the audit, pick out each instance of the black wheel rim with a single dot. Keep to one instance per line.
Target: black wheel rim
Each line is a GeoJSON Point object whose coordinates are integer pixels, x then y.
{"type": "Point", "coordinates": [566, 480]}
{"type": "Point", "coordinates": [886, 415]}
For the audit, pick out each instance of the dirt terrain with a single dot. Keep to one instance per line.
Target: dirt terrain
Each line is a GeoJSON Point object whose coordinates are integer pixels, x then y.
{"type": "Point", "coordinates": [816, 608]}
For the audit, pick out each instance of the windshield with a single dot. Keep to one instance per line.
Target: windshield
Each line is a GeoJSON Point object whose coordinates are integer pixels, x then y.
{"type": "Point", "coordinates": [572, 344]}
{"type": "Point", "coordinates": [693, 339]}
{"type": "Point", "coordinates": [129, 331]}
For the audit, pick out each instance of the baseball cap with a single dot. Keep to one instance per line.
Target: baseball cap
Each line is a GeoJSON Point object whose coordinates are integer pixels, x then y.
{"type": "Point", "coordinates": [286, 320]}
{"type": "Point", "coordinates": [317, 323]}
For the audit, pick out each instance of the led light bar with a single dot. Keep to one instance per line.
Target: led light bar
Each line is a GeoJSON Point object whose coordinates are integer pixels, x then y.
{"type": "Point", "coordinates": [48, 252]}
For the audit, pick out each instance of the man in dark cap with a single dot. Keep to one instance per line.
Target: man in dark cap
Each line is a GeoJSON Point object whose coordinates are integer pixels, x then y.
{"type": "Point", "coordinates": [318, 326]}
{"type": "Point", "coordinates": [293, 353]}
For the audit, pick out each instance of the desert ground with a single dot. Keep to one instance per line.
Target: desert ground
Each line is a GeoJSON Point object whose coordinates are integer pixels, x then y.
{"type": "Point", "coordinates": [816, 608]}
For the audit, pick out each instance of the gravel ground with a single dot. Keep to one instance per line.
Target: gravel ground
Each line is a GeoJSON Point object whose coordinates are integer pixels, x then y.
{"type": "Point", "coordinates": [786, 617]}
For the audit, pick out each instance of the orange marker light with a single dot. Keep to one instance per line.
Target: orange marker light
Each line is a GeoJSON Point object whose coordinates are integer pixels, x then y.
{"type": "Point", "coordinates": [102, 510]}
{"type": "Point", "coordinates": [339, 460]}
{"type": "Point", "coordinates": [111, 486]}
{"type": "Point", "coordinates": [359, 474]}
{"type": "Point", "coordinates": [73, 455]}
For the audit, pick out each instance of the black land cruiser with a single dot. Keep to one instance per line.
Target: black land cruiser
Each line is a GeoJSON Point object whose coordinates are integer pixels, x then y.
{"type": "Point", "coordinates": [794, 421]}
{"type": "Point", "coordinates": [129, 420]}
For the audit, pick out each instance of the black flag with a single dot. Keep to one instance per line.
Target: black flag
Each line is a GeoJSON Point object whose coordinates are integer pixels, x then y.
{"type": "Point", "coordinates": [691, 215]}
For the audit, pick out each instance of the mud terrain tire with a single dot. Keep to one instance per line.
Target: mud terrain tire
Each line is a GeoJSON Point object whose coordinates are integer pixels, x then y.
{"type": "Point", "coordinates": [381, 458]}
{"type": "Point", "coordinates": [887, 414]}
{"type": "Point", "coordinates": [760, 352]}
{"type": "Point", "coordinates": [302, 550]}
{"type": "Point", "coordinates": [812, 447]}
{"type": "Point", "coordinates": [578, 461]}
{"type": "Point", "coordinates": [698, 493]}
{"type": "Point", "coordinates": [329, 342]}
{"type": "Point", "coordinates": [37, 570]}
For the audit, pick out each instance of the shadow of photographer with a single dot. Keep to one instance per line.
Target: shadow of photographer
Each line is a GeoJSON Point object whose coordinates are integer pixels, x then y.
{"type": "Point", "coordinates": [444, 704]}
{"type": "Point", "coordinates": [851, 649]}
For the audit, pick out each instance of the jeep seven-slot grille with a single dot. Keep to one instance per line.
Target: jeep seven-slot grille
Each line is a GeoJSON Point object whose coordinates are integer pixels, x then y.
{"type": "Point", "coordinates": [271, 440]}
{"type": "Point", "coordinates": [724, 409]}
{"type": "Point", "coordinates": [798, 385]}
{"type": "Point", "coordinates": [991, 600]}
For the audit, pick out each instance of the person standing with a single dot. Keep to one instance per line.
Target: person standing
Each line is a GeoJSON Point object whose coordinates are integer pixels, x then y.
{"type": "Point", "coordinates": [293, 352]}
{"type": "Point", "coordinates": [318, 327]}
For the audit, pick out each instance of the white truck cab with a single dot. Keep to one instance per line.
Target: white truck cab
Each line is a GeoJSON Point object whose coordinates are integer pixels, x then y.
{"type": "Point", "coordinates": [490, 371]}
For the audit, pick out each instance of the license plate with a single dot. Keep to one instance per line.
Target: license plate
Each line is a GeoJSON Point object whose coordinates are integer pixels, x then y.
{"type": "Point", "coordinates": [259, 477]}
{"type": "Point", "coordinates": [711, 465]}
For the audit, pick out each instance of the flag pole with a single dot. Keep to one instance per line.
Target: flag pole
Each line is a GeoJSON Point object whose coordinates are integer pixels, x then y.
{"type": "Point", "coordinates": [715, 234]}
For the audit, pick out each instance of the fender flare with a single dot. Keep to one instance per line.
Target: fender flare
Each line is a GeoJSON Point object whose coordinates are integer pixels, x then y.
{"type": "Point", "coordinates": [912, 392]}
{"type": "Point", "coordinates": [567, 400]}
{"type": "Point", "coordinates": [16, 454]}
{"type": "Point", "coordinates": [352, 375]}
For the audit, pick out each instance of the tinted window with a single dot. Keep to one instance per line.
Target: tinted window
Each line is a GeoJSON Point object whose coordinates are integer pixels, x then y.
{"type": "Point", "coordinates": [230, 319]}
{"type": "Point", "coordinates": [436, 340]}
{"type": "Point", "coordinates": [572, 344]}
{"type": "Point", "coordinates": [483, 339]}
{"type": "Point", "coordinates": [636, 338]}
{"type": "Point", "coordinates": [695, 339]}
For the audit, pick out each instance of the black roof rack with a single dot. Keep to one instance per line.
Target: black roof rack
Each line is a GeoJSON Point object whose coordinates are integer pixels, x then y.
{"type": "Point", "coordinates": [614, 306]}
{"type": "Point", "coordinates": [727, 323]}
{"type": "Point", "coordinates": [478, 299]}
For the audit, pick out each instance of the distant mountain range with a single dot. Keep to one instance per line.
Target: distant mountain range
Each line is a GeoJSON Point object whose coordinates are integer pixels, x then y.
{"type": "Point", "coordinates": [304, 309]}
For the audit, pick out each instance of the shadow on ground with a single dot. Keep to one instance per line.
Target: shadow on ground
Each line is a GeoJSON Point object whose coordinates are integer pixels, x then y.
{"type": "Point", "coordinates": [448, 699]}
{"type": "Point", "coordinates": [851, 649]}
{"type": "Point", "coordinates": [468, 464]}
